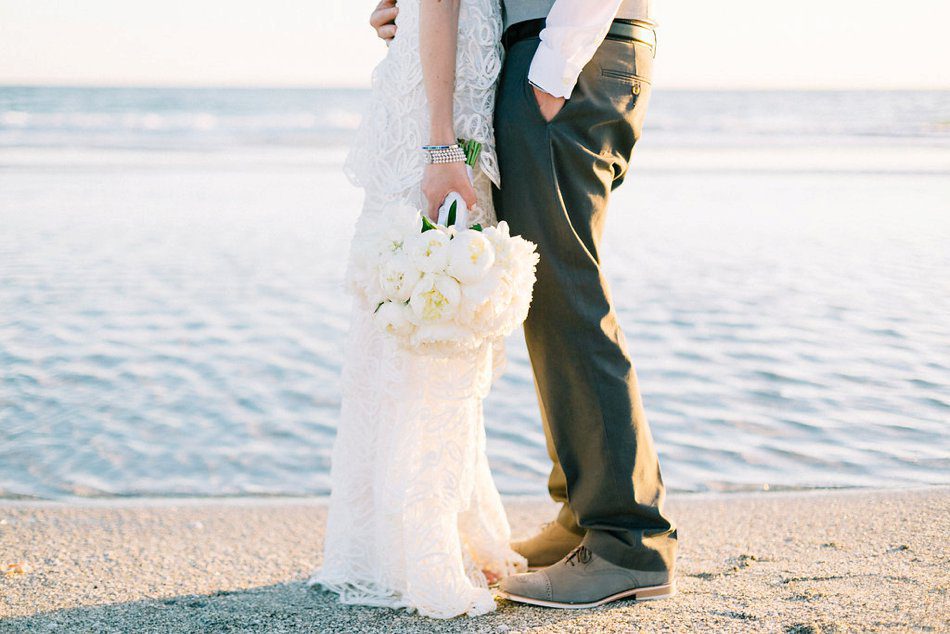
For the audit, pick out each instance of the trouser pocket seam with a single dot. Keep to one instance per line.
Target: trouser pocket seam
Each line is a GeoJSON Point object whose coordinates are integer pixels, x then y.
{"type": "Point", "coordinates": [629, 78]}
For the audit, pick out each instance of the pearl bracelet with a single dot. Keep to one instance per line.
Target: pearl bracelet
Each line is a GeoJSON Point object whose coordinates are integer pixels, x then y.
{"type": "Point", "coordinates": [439, 154]}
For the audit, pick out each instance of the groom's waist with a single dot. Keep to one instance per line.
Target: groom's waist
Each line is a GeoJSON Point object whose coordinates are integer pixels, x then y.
{"type": "Point", "coordinates": [520, 10]}
{"type": "Point", "coordinates": [627, 30]}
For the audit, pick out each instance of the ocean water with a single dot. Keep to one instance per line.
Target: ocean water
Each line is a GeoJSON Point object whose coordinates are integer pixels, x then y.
{"type": "Point", "coordinates": [171, 313]}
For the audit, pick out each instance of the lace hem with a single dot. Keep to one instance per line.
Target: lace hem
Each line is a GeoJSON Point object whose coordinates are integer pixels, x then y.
{"type": "Point", "coordinates": [482, 601]}
{"type": "Point", "coordinates": [414, 513]}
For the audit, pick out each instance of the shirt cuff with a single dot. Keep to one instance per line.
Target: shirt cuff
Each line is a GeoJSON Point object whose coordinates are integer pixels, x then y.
{"type": "Point", "coordinates": [551, 72]}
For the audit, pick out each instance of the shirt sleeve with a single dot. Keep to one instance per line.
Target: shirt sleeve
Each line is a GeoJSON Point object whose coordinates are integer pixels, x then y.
{"type": "Point", "coordinates": [572, 34]}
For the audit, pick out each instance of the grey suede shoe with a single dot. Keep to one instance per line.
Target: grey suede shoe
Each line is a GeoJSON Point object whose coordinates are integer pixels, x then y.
{"type": "Point", "coordinates": [584, 580]}
{"type": "Point", "coordinates": [548, 547]}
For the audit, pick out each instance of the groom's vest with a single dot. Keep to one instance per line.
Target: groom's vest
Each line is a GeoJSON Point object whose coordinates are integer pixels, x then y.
{"type": "Point", "coordinates": [521, 10]}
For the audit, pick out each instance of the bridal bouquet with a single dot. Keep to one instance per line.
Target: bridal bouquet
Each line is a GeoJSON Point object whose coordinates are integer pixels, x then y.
{"type": "Point", "coordinates": [442, 289]}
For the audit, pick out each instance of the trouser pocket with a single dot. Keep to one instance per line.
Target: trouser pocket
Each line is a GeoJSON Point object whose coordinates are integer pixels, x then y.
{"type": "Point", "coordinates": [633, 80]}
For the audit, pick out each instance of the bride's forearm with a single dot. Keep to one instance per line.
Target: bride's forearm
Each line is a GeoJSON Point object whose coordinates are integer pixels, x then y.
{"type": "Point", "coordinates": [438, 36]}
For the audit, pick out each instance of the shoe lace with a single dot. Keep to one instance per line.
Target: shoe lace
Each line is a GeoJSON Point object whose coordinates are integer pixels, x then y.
{"type": "Point", "coordinates": [580, 554]}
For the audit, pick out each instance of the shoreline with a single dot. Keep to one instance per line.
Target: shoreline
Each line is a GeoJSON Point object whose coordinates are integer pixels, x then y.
{"type": "Point", "coordinates": [321, 499]}
{"type": "Point", "coordinates": [778, 561]}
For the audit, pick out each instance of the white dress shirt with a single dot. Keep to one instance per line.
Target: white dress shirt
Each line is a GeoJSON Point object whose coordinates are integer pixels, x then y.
{"type": "Point", "coordinates": [572, 34]}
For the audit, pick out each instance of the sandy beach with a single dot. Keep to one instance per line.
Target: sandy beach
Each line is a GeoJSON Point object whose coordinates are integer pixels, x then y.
{"type": "Point", "coordinates": [824, 561]}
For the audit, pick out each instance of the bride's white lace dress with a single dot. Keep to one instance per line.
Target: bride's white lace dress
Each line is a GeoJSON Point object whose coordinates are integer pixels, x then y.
{"type": "Point", "coordinates": [414, 514]}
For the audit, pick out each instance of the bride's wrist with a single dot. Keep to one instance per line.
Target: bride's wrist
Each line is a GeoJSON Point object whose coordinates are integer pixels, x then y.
{"type": "Point", "coordinates": [442, 135]}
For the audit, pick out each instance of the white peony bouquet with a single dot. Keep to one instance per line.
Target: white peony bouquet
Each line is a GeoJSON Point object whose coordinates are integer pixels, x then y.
{"type": "Point", "coordinates": [440, 289]}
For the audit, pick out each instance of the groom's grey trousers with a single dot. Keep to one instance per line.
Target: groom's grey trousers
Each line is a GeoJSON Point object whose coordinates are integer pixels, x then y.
{"type": "Point", "coordinates": [556, 180]}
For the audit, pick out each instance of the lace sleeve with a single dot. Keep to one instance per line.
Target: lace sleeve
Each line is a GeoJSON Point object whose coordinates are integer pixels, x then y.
{"type": "Point", "coordinates": [385, 157]}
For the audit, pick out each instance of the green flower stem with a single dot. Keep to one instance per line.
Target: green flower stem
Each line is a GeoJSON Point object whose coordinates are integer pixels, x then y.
{"type": "Point", "coordinates": [472, 149]}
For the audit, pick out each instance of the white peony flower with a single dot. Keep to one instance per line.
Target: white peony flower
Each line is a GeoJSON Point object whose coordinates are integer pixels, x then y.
{"type": "Point", "coordinates": [504, 291]}
{"type": "Point", "coordinates": [397, 277]}
{"type": "Point", "coordinates": [435, 298]}
{"type": "Point", "coordinates": [501, 230]}
{"type": "Point", "coordinates": [393, 318]}
{"type": "Point", "coordinates": [429, 251]}
{"type": "Point", "coordinates": [445, 291]}
{"type": "Point", "coordinates": [501, 241]}
{"type": "Point", "coordinates": [471, 255]}
{"type": "Point", "coordinates": [474, 295]}
{"type": "Point", "coordinates": [362, 277]}
{"type": "Point", "coordinates": [402, 223]}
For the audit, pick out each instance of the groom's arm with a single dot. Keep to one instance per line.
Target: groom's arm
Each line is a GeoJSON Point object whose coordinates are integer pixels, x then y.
{"type": "Point", "coordinates": [383, 19]}
{"type": "Point", "coordinates": [573, 32]}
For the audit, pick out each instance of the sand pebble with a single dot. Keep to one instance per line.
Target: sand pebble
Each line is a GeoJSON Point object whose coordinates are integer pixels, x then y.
{"type": "Point", "coordinates": [18, 568]}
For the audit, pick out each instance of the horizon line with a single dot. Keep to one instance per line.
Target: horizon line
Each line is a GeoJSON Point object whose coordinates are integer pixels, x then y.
{"type": "Point", "coordinates": [366, 87]}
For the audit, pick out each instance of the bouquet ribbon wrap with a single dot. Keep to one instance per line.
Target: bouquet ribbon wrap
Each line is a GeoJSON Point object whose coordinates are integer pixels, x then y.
{"type": "Point", "coordinates": [461, 209]}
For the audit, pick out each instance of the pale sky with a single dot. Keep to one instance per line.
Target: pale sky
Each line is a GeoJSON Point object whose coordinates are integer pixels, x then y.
{"type": "Point", "coordinates": [730, 44]}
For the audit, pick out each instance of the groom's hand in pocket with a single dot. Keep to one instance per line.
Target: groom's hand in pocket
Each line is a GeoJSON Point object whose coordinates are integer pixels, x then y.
{"type": "Point", "coordinates": [548, 104]}
{"type": "Point", "coordinates": [383, 19]}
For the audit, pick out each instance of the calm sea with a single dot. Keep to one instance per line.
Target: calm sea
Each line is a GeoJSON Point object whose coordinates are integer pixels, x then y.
{"type": "Point", "coordinates": [171, 315]}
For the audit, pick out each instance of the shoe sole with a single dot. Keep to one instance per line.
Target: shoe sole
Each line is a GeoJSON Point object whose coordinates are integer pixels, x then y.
{"type": "Point", "coordinates": [650, 593]}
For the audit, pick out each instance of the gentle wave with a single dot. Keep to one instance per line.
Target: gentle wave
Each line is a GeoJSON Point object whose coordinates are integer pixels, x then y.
{"type": "Point", "coordinates": [171, 313]}
{"type": "Point", "coordinates": [191, 122]}
{"type": "Point", "coordinates": [133, 116]}
{"type": "Point", "coordinates": [180, 333]}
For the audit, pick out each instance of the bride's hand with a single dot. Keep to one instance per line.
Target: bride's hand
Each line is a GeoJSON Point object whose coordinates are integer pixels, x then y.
{"type": "Point", "coordinates": [441, 179]}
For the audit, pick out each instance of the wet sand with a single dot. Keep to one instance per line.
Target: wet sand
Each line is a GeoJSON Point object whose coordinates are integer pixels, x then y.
{"type": "Point", "coordinates": [825, 561]}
